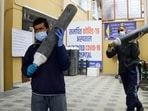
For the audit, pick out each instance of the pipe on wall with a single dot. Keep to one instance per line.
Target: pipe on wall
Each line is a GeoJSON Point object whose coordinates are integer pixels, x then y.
{"type": "Point", "coordinates": [145, 12]}
{"type": "Point", "coordinates": [1, 45]}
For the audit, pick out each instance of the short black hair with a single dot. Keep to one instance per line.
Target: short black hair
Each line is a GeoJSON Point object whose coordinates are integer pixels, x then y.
{"type": "Point", "coordinates": [40, 20]}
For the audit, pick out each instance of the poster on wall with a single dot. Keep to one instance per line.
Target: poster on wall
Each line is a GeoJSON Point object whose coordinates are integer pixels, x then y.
{"type": "Point", "coordinates": [111, 29]}
{"type": "Point", "coordinates": [87, 37]}
{"type": "Point", "coordinates": [21, 40]}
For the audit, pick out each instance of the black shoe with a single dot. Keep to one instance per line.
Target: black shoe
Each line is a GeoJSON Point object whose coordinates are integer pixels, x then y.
{"type": "Point", "coordinates": [141, 109]}
{"type": "Point", "coordinates": [116, 76]}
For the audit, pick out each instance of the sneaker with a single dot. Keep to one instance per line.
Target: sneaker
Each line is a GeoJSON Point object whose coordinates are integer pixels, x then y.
{"type": "Point", "coordinates": [141, 109]}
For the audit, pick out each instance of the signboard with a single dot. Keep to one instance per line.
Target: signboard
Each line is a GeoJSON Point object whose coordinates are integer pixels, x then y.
{"type": "Point", "coordinates": [111, 29]}
{"type": "Point", "coordinates": [87, 37]}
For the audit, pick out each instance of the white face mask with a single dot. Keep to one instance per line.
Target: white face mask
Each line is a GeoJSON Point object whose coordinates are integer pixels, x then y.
{"type": "Point", "coordinates": [40, 36]}
{"type": "Point", "coordinates": [122, 33]}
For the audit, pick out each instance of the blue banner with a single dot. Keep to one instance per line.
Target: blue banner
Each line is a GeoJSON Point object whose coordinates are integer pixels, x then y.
{"type": "Point", "coordinates": [111, 29]}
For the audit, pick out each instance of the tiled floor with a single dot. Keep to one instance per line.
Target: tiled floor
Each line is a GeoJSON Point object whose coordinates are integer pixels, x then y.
{"type": "Point", "coordinates": [102, 93]}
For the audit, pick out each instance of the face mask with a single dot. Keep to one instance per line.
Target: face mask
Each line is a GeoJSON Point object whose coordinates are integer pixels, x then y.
{"type": "Point", "coordinates": [40, 36]}
{"type": "Point", "coordinates": [122, 33]}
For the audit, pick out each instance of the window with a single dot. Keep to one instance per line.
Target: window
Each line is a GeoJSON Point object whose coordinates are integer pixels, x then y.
{"type": "Point", "coordinates": [84, 4]}
{"type": "Point", "coordinates": [87, 4]}
{"type": "Point", "coordinates": [122, 9]}
{"type": "Point", "coordinates": [95, 9]}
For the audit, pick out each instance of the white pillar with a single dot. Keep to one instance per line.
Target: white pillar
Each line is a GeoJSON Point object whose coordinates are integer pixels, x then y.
{"type": "Point", "coordinates": [145, 11]}
{"type": "Point", "coordinates": [1, 45]}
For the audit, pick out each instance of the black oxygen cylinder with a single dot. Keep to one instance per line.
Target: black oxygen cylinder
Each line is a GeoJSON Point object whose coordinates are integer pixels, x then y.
{"type": "Point", "coordinates": [50, 41]}
{"type": "Point", "coordinates": [132, 35]}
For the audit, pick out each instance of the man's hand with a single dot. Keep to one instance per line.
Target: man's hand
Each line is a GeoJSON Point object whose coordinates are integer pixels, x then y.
{"type": "Point", "coordinates": [111, 46]}
{"type": "Point", "coordinates": [60, 33]}
{"type": "Point", "coordinates": [133, 41]}
{"type": "Point", "coordinates": [31, 69]}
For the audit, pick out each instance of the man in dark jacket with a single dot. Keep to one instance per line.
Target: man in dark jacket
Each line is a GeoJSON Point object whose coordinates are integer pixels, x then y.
{"type": "Point", "coordinates": [47, 80]}
{"type": "Point", "coordinates": [128, 69]}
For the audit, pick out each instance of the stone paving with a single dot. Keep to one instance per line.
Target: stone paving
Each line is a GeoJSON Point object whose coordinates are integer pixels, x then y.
{"type": "Point", "coordinates": [102, 93]}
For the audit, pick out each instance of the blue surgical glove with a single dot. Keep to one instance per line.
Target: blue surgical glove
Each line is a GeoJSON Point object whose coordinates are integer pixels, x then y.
{"type": "Point", "coordinates": [31, 69]}
{"type": "Point", "coordinates": [60, 34]}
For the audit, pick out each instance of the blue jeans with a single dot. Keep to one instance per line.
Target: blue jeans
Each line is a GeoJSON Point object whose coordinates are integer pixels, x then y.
{"type": "Point", "coordinates": [43, 103]}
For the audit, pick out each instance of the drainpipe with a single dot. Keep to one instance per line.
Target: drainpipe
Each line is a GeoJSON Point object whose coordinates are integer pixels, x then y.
{"type": "Point", "coordinates": [145, 12]}
{"type": "Point", "coordinates": [1, 45]}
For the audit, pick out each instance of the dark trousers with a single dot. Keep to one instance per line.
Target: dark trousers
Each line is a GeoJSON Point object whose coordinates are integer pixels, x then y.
{"type": "Point", "coordinates": [131, 80]}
